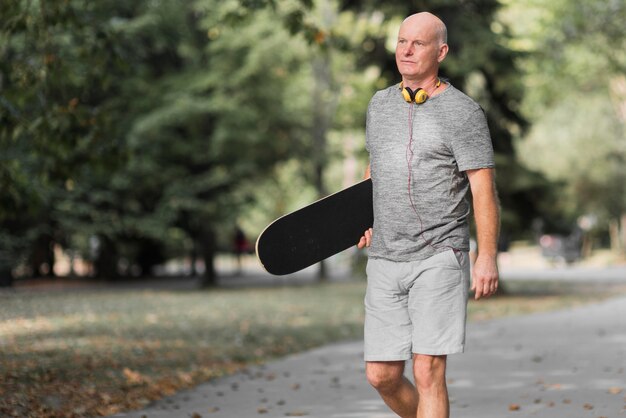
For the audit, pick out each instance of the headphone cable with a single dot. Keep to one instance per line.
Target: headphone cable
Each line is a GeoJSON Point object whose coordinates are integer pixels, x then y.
{"type": "Point", "coordinates": [409, 159]}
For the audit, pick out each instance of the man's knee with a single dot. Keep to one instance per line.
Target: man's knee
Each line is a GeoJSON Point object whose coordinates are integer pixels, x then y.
{"type": "Point", "coordinates": [384, 376]}
{"type": "Point", "coordinates": [429, 371]}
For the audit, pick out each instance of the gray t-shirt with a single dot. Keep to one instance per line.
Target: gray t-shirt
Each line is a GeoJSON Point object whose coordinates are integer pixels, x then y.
{"type": "Point", "coordinates": [450, 136]}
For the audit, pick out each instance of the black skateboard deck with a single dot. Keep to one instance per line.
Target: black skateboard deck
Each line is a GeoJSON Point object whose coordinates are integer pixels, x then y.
{"type": "Point", "coordinates": [317, 231]}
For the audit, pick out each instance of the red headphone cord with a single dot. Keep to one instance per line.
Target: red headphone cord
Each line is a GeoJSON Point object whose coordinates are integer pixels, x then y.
{"type": "Point", "coordinates": [409, 158]}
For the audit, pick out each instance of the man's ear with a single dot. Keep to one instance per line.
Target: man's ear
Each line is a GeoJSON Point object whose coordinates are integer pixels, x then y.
{"type": "Point", "coordinates": [443, 52]}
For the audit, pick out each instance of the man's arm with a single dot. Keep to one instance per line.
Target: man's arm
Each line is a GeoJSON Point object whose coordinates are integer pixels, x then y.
{"type": "Point", "coordinates": [487, 217]}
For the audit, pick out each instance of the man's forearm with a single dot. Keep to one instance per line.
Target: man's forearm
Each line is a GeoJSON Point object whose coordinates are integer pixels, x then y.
{"type": "Point", "coordinates": [487, 216]}
{"type": "Point", "coordinates": [486, 212]}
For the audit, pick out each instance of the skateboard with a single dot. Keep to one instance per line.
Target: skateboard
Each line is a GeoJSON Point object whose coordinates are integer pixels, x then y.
{"type": "Point", "coordinates": [317, 231]}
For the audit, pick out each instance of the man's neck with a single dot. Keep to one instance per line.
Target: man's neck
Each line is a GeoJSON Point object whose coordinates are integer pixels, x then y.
{"type": "Point", "coordinates": [429, 84]}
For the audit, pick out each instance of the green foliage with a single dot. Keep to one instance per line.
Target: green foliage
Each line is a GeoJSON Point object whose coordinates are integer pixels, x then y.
{"type": "Point", "coordinates": [58, 72]}
{"type": "Point", "coordinates": [135, 122]}
{"type": "Point", "coordinates": [135, 131]}
{"type": "Point", "coordinates": [580, 155]}
{"type": "Point", "coordinates": [569, 46]}
{"type": "Point", "coordinates": [574, 66]}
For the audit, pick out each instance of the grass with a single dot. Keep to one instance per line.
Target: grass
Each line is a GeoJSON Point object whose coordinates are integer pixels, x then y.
{"type": "Point", "coordinates": [99, 352]}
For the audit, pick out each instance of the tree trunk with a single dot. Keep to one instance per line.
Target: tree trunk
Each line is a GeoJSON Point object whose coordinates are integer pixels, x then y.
{"type": "Point", "coordinates": [208, 248]}
{"type": "Point", "coordinates": [150, 255]}
{"type": "Point", "coordinates": [618, 95]}
{"type": "Point", "coordinates": [324, 104]}
{"type": "Point", "coordinates": [42, 258]}
{"type": "Point", "coordinates": [6, 278]}
{"type": "Point", "coordinates": [622, 234]}
{"type": "Point", "coordinates": [106, 261]}
{"type": "Point", "coordinates": [193, 272]}
{"type": "Point", "coordinates": [614, 235]}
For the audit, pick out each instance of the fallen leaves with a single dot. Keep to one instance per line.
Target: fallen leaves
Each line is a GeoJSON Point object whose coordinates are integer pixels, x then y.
{"type": "Point", "coordinates": [134, 377]}
{"type": "Point", "coordinates": [80, 390]}
{"type": "Point", "coordinates": [105, 352]}
{"type": "Point", "coordinates": [514, 407]}
{"type": "Point", "coordinates": [566, 401]}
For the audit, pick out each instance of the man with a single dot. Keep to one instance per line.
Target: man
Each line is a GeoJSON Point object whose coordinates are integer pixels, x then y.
{"type": "Point", "coordinates": [423, 159]}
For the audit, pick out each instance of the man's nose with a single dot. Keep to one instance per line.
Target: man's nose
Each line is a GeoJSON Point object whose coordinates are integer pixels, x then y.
{"type": "Point", "coordinates": [408, 50]}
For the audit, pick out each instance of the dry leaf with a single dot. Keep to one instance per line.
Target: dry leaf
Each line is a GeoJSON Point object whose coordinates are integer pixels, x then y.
{"type": "Point", "coordinates": [133, 377]}
{"type": "Point", "coordinates": [514, 407]}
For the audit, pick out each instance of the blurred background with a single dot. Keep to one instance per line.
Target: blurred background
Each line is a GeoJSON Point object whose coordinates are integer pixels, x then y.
{"type": "Point", "coordinates": [153, 137]}
{"type": "Point", "coordinates": [145, 144]}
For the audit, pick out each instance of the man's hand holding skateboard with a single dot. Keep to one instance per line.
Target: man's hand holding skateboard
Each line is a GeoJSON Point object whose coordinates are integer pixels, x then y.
{"type": "Point", "coordinates": [366, 239]}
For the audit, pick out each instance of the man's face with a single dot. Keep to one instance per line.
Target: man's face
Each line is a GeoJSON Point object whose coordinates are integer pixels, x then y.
{"type": "Point", "coordinates": [418, 51]}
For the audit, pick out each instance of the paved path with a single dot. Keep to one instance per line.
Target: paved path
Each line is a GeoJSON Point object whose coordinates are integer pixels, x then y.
{"type": "Point", "coordinates": [569, 363]}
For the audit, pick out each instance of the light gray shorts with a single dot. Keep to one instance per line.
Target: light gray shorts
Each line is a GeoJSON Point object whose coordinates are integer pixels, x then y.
{"type": "Point", "coordinates": [416, 307]}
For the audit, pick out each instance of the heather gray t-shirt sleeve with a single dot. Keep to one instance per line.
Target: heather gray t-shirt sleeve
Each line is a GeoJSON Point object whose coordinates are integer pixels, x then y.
{"type": "Point", "coordinates": [471, 145]}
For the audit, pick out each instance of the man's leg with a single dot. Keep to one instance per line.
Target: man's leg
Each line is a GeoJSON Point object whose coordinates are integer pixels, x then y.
{"type": "Point", "coordinates": [430, 379]}
{"type": "Point", "coordinates": [387, 377]}
{"type": "Point", "coordinates": [438, 307]}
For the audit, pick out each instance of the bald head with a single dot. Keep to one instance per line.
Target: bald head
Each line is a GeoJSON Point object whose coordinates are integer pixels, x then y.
{"type": "Point", "coordinates": [429, 22]}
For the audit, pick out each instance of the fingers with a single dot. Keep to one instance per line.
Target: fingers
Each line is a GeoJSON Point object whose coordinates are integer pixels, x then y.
{"type": "Point", "coordinates": [494, 288]}
{"type": "Point", "coordinates": [478, 292]}
{"type": "Point", "coordinates": [366, 239]}
{"type": "Point", "coordinates": [484, 277]}
{"type": "Point", "coordinates": [483, 288]}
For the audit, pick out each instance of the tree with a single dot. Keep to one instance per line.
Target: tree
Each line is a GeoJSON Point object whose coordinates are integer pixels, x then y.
{"type": "Point", "coordinates": [134, 124]}
{"type": "Point", "coordinates": [220, 124]}
{"type": "Point", "coordinates": [575, 66]}
{"type": "Point", "coordinates": [58, 71]}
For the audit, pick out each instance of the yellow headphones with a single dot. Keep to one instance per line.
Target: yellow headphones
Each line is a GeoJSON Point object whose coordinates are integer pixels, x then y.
{"type": "Point", "coordinates": [418, 96]}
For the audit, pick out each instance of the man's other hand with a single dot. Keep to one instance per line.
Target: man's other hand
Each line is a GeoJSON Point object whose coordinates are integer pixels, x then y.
{"type": "Point", "coordinates": [484, 276]}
